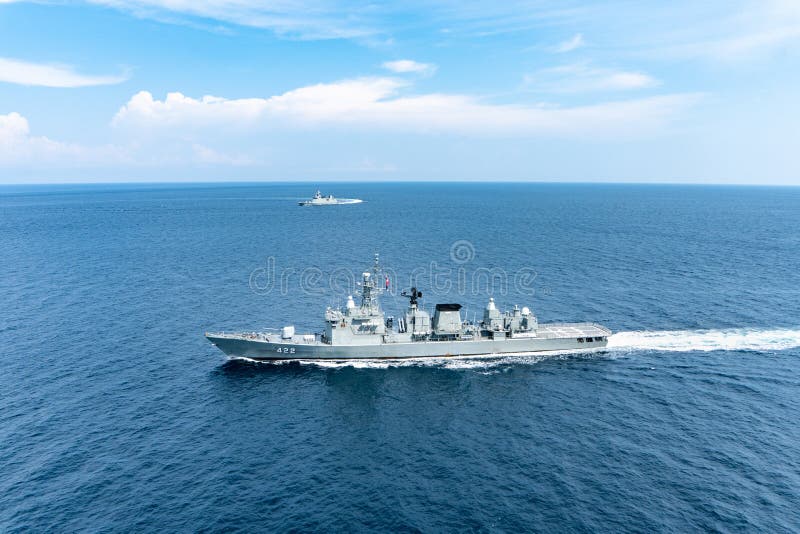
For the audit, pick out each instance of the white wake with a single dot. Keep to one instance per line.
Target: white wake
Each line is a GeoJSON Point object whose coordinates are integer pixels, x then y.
{"type": "Point", "coordinates": [751, 339]}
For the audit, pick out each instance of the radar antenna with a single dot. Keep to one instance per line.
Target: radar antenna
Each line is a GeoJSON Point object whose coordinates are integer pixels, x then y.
{"type": "Point", "coordinates": [412, 295]}
{"type": "Point", "coordinates": [376, 268]}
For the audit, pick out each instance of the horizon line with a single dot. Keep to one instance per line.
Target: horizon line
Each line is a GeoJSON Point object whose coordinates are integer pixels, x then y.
{"type": "Point", "coordinates": [410, 181]}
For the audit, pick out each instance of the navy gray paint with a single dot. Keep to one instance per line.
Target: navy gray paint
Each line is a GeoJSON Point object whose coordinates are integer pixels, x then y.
{"type": "Point", "coordinates": [363, 332]}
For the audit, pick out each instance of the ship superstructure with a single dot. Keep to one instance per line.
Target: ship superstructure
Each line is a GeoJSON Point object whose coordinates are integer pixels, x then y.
{"type": "Point", "coordinates": [363, 331]}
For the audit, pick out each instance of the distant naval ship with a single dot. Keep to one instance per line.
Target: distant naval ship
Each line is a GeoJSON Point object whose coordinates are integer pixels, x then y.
{"type": "Point", "coordinates": [319, 200]}
{"type": "Point", "coordinates": [363, 332]}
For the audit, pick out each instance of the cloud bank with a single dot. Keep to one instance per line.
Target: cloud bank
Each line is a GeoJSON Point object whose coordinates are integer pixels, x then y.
{"type": "Point", "coordinates": [19, 147]}
{"type": "Point", "coordinates": [181, 130]}
{"type": "Point", "coordinates": [380, 103]}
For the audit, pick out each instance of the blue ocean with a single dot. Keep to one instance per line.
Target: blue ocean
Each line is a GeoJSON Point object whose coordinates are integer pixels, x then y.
{"type": "Point", "coordinates": [117, 415]}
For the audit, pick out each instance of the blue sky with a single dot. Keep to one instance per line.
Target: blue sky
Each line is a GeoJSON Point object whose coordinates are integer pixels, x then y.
{"type": "Point", "coordinates": [317, 90]}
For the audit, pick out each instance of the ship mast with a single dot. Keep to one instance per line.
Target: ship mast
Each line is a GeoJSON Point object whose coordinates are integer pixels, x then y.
{"type": "Point", "coordinates": [370, 290]}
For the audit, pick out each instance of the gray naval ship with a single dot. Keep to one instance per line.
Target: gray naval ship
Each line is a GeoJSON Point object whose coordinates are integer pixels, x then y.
{"type": "Point", "coordinates": [363, 332]}
{"type": "Point", "coordinates": [320, 200]}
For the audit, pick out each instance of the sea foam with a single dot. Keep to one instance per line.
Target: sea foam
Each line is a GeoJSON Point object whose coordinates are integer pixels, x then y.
{"type": "Point", "coordinates": [750, 339]}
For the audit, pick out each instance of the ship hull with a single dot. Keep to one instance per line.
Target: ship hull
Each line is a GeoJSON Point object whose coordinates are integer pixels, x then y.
{"type": "Point", "coordinates": [256, 349]}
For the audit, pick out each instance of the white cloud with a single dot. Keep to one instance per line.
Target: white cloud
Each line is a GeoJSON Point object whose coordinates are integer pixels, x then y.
{"type": "Point", "coordinates": [18, 146]}
{"type": "Point", "coordinates": [581, 78]}
{"type": "Point", "coordinates": [314, 103]}
{"type": "Point", "coordinates": [407, 65]}
{"type": "Point", "coordinates": [570, 44]}
{"type": "Point", "coordinates": [757, 29]}
{"type": "Point", "coordinates": [179, 109]}
{"type": "Point", "coordinates": [20, 149]}
{"type": "Point", "coordinates": [355, 19]}
{"type": "Point", "coordinates": [16, 143]}
{"type": "Point", "coordinates": [736, 48]}
{"type": "Point", "coordinates": [483, 19]}
{"type": "Point", "coordinates": [361, 19]}
{"type": "Point", "coordinates": [304, 19]}
{"type": "Point", "coordinates": [683, 28]}
{"type": "Point", "coordinates": [377, 103]}
{"type": "Point", "coordinates": [12, 127]}
{"type": "Point", "coordinates": [26, 73]}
